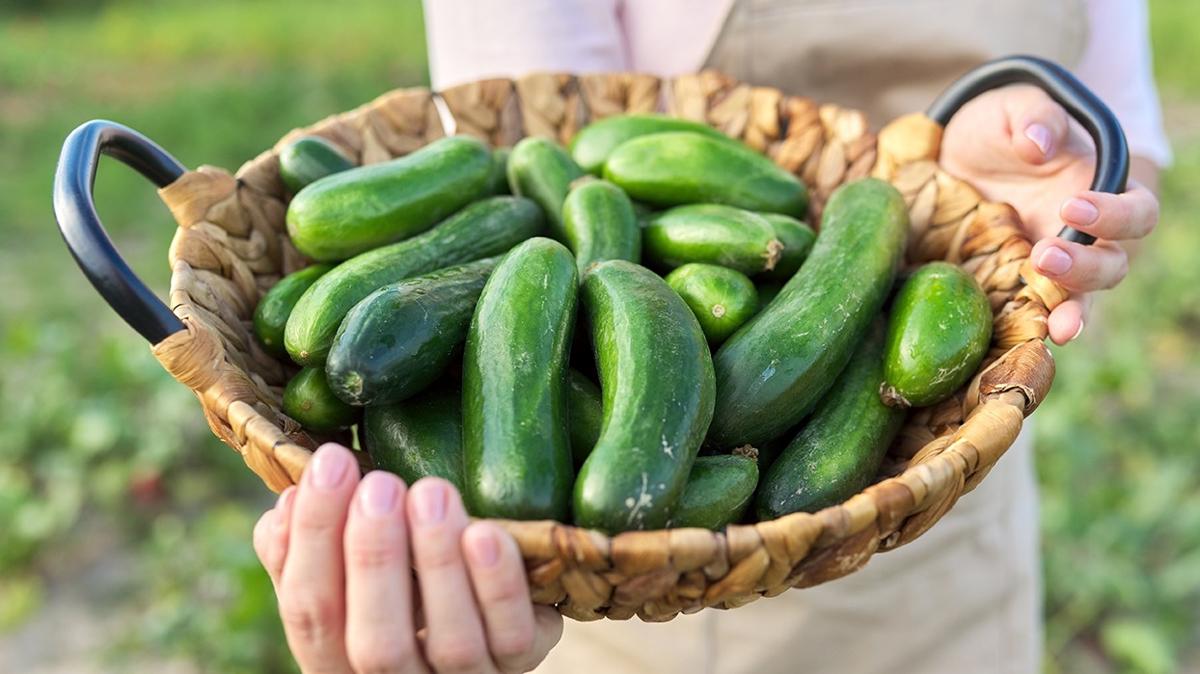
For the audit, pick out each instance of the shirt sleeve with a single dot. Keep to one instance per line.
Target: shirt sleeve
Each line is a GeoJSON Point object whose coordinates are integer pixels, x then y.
{"type": "Point", "coordinates": [1116, 64]}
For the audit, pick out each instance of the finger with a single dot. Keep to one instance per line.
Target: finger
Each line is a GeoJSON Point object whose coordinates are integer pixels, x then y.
{"type": "Point", "coordinates": [1067, 320]}
{"type": "Point", "coordinates": [271, 535]}
{"type": "Point", "coordinates": [1078, 267]}
{"type": "Point", "coordinates": [312, 586]}
{"type": "Point", "coordinates": [455, 641]}
{"type": "Point", "coordinates": [379, 609]}
{"type": "Point", "coordinates": [498, 576]}
{"type": "Point", "coordinates": [548, 630]}
{"type": "Point", "coordinates": [1116, 217]}
{"type": "Point", "coordinates": [1038, 125]}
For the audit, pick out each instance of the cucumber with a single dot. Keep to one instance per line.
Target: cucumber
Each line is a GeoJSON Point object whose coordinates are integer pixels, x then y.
{"type": "Point", "coordinates": [656, 379]}
{"type": "Point", "coordinates": [722, 299]}
{"type": "Point", "coordinates": [772, 371]}
{"type": "Point", "coordinates": [711, 233]}
{"type": "Point", "coordinates": [591, 147]}
{"type": "Point", "coordinates": [342, 215]}
{"type": "Point", "coordinates": [488, 227]}
{"type": "Point", "coordinates": [515, 403]}
{"type": "Point", "coordinates": [599, 224]}
{"type": "Point", "coordinates": [719, 490]}
{"type": "Point", "coordinates": [498, 177]}
{"type": "Point", "coordinates": [271, 314]}
{"type": "Point", "coordinates": [586, 411]}
{"type": "Point", "coordinates": [797, 239]}
{"type": "Point", "coordinates": [839, 450]}
{"type": "Point", "coordinates": [400, 338]}
{"type": "Point", "coordinates": [307, 399]}
{"type": "Point", "coordinates": [542, 170]}
{"type": "Point", "coordinates": [940, 330]}
{"type": "Point", "coordinates": [674, 168]}
{"type": "Point", "coordinates": [421, 437]}
{"type": "Point", "coordinates": [308, 159]}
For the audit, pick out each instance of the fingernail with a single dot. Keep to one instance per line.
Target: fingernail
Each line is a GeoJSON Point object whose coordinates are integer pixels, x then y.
{"type": "Point", "coordinates": [1040, 136]}
{"type": "Point", "coordinates": [283, 507]}
{"type": "Point", "coordinates": [1077, 332]}
{"type": "Point", "coordinates": [430, 505]}
{"type": "Point", "coordinates": [484, 548]}
{"type": "Point", "coordinates": [1054, 261]}
{"type": "Point", "coordinates": [329, 466]}
{"type": "Point", "coordinates": [377, 494]}
{"type": "Point", "coordinates": [1080, 211]}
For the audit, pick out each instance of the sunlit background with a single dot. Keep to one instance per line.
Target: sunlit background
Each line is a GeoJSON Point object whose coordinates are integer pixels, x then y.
{"type": "Point", "coordinates": [125, 527]}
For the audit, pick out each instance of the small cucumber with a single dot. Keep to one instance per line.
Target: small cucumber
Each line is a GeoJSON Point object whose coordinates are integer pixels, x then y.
{"type": "Point", "coordinates": [515, 403]}
{"type": "Point", "coordinates": [718, 491]}
{"type": "Point", "coordinates": [271, 315]}
{"type": "Point", "coordinates": [342, 215]}
{"type": "Point", "coordinates": [600, 224]}
{"type": "Point", "coordinates": [940, 330]}
{"type": "Point", "coordinates": [721, 298]}
{"type": "Point", "coordinates": [711, 233]}
{"type": "Point", "coordinates": [774, 370]}
{"type": "Point", "coordinates": [591, 147]}
{"type": "Point", "coordinates": [307, 399]}
{"type": "Point", "coordinates": [797, 238]}
{"type": "Point", "coordinates": [657, 383]}
{"type": "Point", "coordinates": [308, 159]}
{"type": "Point", "coordinates": [542, 170]}
{"type": "Point", "coordinates": [400, 338]}
{"type": "Point", "coordinates": [674, 168]}
{"type": "Point", "coordinates": [840, 448]}
{"type": "Point", "coordinates": [586, 414]}
{"type": "Point", "coordinates": [485, 228]}
{"type": "Point", "coordinates": [421, 437]}
{"type": "Point", "coordinates": [498, 178]}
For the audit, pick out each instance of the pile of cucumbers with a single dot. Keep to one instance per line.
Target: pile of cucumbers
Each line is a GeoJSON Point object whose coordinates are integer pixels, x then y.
{"type": "Point", "coordinates": [635, 332]}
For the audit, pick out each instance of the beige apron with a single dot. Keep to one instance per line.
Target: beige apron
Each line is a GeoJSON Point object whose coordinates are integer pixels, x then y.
{"type": "Point", "coordinates": [965, 598]}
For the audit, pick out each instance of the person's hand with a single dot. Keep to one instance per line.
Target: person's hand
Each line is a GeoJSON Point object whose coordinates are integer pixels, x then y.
{"type": "Point", "coordinates": [342, 554]}
{"type": "Point", "coordinates": [1015, 144]}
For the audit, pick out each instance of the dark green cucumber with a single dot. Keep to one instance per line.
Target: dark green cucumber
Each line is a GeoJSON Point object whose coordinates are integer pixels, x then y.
{"type": "Point", "coordinates": [515, 402]}
{"type": "Point", "coordinates": [400, 338]}
{"type": "Point", "coordinates": [591, 147]}
{"type": "Point", "coordinates": [485, 228]}
{"type": "Point", "coordinates": [674, 168]}
{"type": "Point", "coordinates": [307, 399]}
{"type": "Point", "coordinates": [656, 378]}
{"type": "Point", "coordinates": [421, 437]}
{"type": "Point", "coordinates": [308, 159]}
{"type": "Point", "coordinates": [940, 330]}
{"type": "Point", "coordinates": [839, 450]}
{"type": "Point", "coordinates": [718, 491]}
{"type": "Point", "coordinates": [797, 239]}
{"type": "Point", "coordinates": [721, 298]}
{"type": "Point", "coordinates": [586, 415]}
{"type": "Point", "coordinates": [271, 314]}
{"type": "Point", "coordinates": [498, 178]}
{"type": "Point", "coordinates": [342, 215]}
{"type": "Point", "coordinates": [542, 170]}
{"type": "Point", "coordinates": [714, 234]}
{"type": "Point", "coordinates": [772, 372]}
{"type": "Point", "coordinates": [599, 224]}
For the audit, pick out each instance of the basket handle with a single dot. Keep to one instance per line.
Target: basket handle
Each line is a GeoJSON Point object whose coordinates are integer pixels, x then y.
{"type": "Point", "coordinates": [94, 252]}
{"type": "Point", "coordinates": [1112, 152]}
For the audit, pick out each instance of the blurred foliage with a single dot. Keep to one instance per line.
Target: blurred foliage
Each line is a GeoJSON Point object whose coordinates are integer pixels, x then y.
{"type": "Point", "coordinates": [91, 426]}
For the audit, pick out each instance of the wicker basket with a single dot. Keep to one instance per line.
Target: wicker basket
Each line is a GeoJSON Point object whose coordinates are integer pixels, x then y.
{"type": "Point", "coordinates": [232, 245]}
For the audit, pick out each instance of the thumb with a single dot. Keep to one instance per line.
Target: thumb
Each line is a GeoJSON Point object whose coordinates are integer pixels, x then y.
{"type": "Point", "coordinates": [1038, 125]}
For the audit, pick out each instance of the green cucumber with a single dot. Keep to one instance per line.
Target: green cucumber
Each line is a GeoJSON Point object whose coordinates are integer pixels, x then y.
{"type": "Point", "coordinates": [308, 159]}
{"type": "Point", "coordinates": [714, 234]}
{"type": "Point", "coordinates": [940, 330]}
{"type": "Point", "coordinates": [347, 213]}
{"type": "Point", "coordinates": [719, 490]}
{"type": "Point", "coordinates": [542, 170]}
{"type": "Point", "coordinates": [421, 437]}
{"type": "Point", "coordinates": [271, 314]}
{"type": "Point", "coordinates": [656, 379]}
{"type": "Point", "coordinates": [773, 371]}
{"type": "Point", "coordinates": [309, 400]}
{"type": "Point", "coordinates": [498, 177]}
{"type": "Point", "coordinates": [485, 228]}
{"type": "Point", "coordinates": [721, 298]}
{"type": "Point", "coordinates": [586, 414]}
{"type": "Point", "coordinates": [400, 338]}
{"type": "Point", "coordinates": [840, 448]}
{"type": "Point", "coordinates": [599, 224]}
{"type": "Point", "coordinates": [515, 403]}
{"type": "Point", "coordinates": [674, 168]}
{"type": "Point", "coordinates": [797, 239]}
{"type": "Point", "coordinates": [591, 147]}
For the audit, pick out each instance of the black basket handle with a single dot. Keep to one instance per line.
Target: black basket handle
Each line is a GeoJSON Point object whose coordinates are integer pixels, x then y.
{"type": "Point", "coordinates": [75, 210]}
{"type": "Point", "coordinates": [1112, 152]}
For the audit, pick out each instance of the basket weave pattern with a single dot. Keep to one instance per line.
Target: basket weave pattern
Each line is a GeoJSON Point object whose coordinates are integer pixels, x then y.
{"type": "Point", "coordinates": [232, 245]}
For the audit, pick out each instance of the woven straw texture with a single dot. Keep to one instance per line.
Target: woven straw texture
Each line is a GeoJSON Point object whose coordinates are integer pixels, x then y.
{"type": "Point", "coordinates": [232, 245]}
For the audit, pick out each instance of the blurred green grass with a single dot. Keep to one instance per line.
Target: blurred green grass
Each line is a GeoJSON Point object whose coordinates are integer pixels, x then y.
{"type": "Point", "coordinates": [91, 427]}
